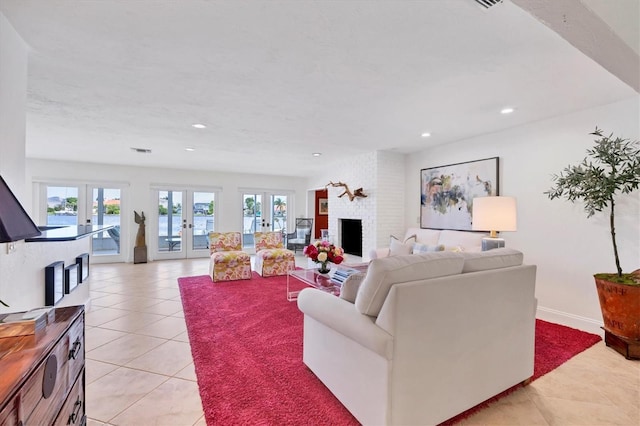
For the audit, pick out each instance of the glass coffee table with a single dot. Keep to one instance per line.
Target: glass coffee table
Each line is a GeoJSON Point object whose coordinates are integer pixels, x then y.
{"type": "Point", "coordinates": [313, 278]}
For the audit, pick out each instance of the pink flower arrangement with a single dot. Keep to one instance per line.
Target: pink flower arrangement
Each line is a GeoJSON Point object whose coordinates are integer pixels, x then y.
{"type": "Point", "coordinates": [323, 252]}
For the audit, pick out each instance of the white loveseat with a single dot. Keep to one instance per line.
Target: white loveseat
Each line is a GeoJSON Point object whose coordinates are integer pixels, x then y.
{"type": "Point", "coordinates": [444, 239]}
{"type": "Point", "coordinates": [422, 338]}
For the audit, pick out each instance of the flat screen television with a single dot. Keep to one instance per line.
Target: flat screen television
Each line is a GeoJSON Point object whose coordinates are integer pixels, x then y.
{"type": "Point", "coordinates": [15, 223]}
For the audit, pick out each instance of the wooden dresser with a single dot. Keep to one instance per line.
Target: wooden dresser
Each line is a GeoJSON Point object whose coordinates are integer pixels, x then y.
{"type": "Point", "coordinates": [42, 375]}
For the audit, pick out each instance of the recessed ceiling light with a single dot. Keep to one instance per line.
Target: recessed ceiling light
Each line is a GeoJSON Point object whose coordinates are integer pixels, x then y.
{"type": "Point", "coordinates": [189, 149]}
{"type": "Point", "coordinates": [317, 154]}
{"type": "Point", "coordinates": [425, 134]}
{"type": "Point", "coordinates": [199, 126]}
{"type": "Point", "coordinates": [506, 110]}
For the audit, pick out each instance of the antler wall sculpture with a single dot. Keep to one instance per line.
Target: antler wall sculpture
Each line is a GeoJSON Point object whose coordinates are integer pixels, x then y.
{"type": "Point", "coordinates": [357, 193]}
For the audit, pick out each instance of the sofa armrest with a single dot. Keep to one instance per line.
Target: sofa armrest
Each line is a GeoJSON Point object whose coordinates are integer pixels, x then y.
{"type": "Point", "coordinates": [342, 316]}
{"type": "Point", "coordinates": [379, 253]}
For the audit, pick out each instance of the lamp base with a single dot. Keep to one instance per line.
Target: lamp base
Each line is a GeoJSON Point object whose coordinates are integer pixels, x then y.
{"type": "Point", "coordinates": [489, 243]}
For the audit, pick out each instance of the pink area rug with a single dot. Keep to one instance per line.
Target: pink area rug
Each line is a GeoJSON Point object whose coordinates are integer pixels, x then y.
{"type": "Point", "coordinates": [246, 342]}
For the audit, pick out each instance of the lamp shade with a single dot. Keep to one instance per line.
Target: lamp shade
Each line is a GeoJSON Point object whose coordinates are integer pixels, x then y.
{"type": "Point", "coordinates": [15, 223]}
{"type": "Point", "coordinates": [494, 214]}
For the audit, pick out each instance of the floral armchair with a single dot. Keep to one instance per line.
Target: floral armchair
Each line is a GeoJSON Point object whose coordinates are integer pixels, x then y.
{"type": "Point", "coordinates": [228, 261]}
{"type": "Point", "coordinates": [271, 256]}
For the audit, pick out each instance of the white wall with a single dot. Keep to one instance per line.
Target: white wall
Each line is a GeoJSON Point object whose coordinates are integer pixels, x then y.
{"type": "Point", "coordinates": [13, 87]}
{"type": "Point", "coordinates": [555, 235]}
{"type": "Point", "coordinates": [13, 95]}
{"type": "Point", "coordinates": [138, 196]}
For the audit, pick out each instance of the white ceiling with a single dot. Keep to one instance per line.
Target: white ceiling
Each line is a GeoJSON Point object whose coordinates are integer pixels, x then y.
{"type": "Point", "coordinates": [275, 81]}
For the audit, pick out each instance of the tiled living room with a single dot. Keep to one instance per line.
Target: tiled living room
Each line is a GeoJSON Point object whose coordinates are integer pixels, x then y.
{"type": "Point", "coordinates": [140, 370]}
{"type": "Point", "coordinates": [251, 115]}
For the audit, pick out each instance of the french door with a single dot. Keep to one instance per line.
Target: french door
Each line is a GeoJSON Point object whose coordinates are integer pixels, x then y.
{"type": "Point", "coordinates": [182, 222]}
{"type": "Point", "coordinates": [94, 204]}
{"type": "Point", "coordinates": [104, 208]}
{"type": "Point", "coordinates": [263, 211]}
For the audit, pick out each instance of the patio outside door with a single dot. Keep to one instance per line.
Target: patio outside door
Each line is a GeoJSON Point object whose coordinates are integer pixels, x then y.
{"type": "Point", "coordinates": [104, 208]}
{"type": "Point", "coordinates": [182, 223]}
{"type": "Point", "coordinates": [74, 204]}
{"type": "Point", "coordinates": [263, 212]}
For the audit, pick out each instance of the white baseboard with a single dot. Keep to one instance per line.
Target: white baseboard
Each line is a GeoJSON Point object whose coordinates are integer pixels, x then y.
{"type": "Point", "coordinates": [574, 321]}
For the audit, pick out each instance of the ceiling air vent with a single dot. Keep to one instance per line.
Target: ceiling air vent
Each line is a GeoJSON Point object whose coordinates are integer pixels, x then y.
{"type": "Point", "coordinates": [141, 150]}
{"type": "Point", "coordinates": [488, 3]}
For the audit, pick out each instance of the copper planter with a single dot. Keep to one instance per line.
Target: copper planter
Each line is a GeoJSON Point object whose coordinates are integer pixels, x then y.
{"type": "Point", "coordinates": [620, 305]}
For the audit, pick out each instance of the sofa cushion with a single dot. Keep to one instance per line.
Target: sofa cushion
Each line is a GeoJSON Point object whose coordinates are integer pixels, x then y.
{"type": "Point", "coordinates": [384, 273]}
{"type": "Point", "coordinates": [350, 287]}
{"type": "Point", "coordinates": [425, 236]}
{"type": "Point", "coordinates": [470, 241]}
{"type": "Point", "coordinates": [491, 259]}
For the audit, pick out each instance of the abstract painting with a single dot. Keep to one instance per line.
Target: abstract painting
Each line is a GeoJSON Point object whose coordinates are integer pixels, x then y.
{"type": "Point", "coordinates": [447, 192]}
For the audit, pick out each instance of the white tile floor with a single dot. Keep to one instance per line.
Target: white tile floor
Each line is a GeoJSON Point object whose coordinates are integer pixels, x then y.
{"type": "Point", "coordinates": [140, 372]}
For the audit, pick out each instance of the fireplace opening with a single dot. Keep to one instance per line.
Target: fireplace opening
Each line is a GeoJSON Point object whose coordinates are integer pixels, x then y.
{"type": "Point", "coordinates": [351, 236]}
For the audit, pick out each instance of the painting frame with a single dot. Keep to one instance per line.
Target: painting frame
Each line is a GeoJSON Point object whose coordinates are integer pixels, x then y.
{"type": "Point", "coordinates": [54, 283]}
{"type": "Point", "coordinates": [447, 192]}
{"type": "Point", "coordinates": [71, 278]}
{"type": "Point", "coordinates": [83, 267]}
{"type": "Point", "coordinates": [323, 206]}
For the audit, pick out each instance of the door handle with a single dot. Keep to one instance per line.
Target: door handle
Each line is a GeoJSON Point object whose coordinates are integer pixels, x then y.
{"type": "Point", "coordinates": [190, 226]}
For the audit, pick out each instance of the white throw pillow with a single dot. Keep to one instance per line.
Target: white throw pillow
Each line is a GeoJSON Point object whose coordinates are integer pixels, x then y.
{"type": "Point", "coordinates": [301, 233]}
{"type": "Point", "coordinates": [384, 273]}
{"type": "Point", "coordinates": [399, 248]}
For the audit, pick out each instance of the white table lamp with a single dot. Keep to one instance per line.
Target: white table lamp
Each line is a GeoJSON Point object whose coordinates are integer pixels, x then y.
{"type": "Point", "coordinates": [494, 214]}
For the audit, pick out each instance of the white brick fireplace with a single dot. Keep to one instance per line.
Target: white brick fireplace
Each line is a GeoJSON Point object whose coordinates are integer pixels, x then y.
{"type": "Point", "coordinates": [381, 176]}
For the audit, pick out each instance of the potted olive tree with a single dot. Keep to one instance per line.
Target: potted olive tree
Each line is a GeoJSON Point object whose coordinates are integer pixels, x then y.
{"type": "Point", "coordinates": [611, 168]}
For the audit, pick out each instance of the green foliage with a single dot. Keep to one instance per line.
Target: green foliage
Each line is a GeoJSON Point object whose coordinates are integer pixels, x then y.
{"type": "Point", "coordinates": [612, 167]}
{"type": "Point", "coordinates": [251, 207]}
{"type": "Point", "coordinates": [112, 209]}
{"type": "Point", "coordinates": [73, 203]}
{"type": "Point", "coordinates": [211, 208]}
{"type": "Point", "coordinates": [626, 279]}
{"type": "Point", "coordinates": [249, 204]}
{"type": "Point", "coordinates": [162, 210]}
{"type": "Point", "coordinates": [279, 206]}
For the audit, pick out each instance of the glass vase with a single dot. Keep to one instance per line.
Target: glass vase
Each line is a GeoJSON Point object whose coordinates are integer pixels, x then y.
{"type": "Point", "coordinates": [324, 268]}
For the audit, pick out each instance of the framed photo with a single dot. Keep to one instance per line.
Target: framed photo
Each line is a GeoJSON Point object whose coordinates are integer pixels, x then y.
{"type": "Point", "coordinates": [54, 283]}
{"type": "Point", "coordinates": [83, 267]}
{"type": "Point", "coordinates": [70, 278]}
{"type": "Point", "coordinates": [447, 192]}
{"type": "Point", "coordinates": [323, 206]}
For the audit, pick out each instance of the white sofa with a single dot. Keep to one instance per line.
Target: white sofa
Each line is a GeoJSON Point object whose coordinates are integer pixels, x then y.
{"type": "Point", "coordinates": [422, 338]}
{"type": "Point", "coordinates": [447, 240]}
